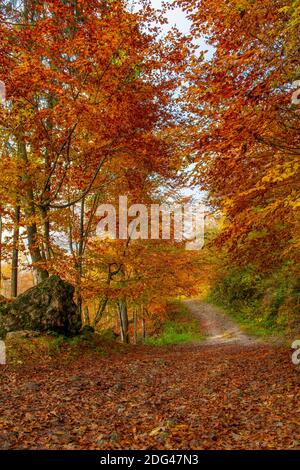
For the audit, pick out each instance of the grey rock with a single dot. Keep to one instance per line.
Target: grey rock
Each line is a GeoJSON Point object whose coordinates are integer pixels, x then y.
{"type": "Point", "coordinates": [47, 307]}
{"type": "Point", "coordinates": [21, 334]}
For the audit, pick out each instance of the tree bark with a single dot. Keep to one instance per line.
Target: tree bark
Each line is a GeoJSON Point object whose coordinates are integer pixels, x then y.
{"type": "Point", "coordinates": [86, 316]}
{"type": "Point", "coordinates": [78, 293]}
{"type": "Point", "coordinates": [30, 213]}
{"type": "Point", "coordinates": [46, 223]}
{"type": "Point", "coordinates": [15, 253]}
{"type": "Point", "coordinates": [143, 326]}
{"type": "Point", "coordinates": [123, 314]}
{"type": "Point", "coordinates": [1, 230]}
{"type": "Point", "coordinates": [135, 326]}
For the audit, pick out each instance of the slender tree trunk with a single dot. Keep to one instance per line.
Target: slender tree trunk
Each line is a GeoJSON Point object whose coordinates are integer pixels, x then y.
{"type": "Point", "coordinates": [27, 256]}
{"type": "Point", "coordinates": [87, 316]}
{"type": "Point", "coordinates": [123, 314]}
{"type": "Point", "coordinates": [46, 223]}
{"type": "Point", "coordinates": [120, 325]}
{"type": "Point", "coordinates": [135, 326]}
{"type": "Point", "coordinates": [79, 260]}
{"type": "Point", "coordinates": [85, 225]}
{"type": "Point", "coordinates": [1, 230]}
{"type": "Point", "coordinates": [15, 253]}
{"type": "Point", "coordinates": [35, 253]}
{"type": "Point", "coordinates": [143, 326]}
{"type": "Point", "coordinates": [45, 210]}
{"type": "Point", "coordinates": [123, 311]}
{"type": "Point", "coordinates": [30, 213]}
{"type": "Point", "coordinates": [29, 10]}
{"type": "Point", "coordinates": [100, 310]}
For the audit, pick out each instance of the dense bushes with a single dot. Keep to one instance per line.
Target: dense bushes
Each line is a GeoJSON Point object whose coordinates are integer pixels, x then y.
{"type": "Point", "coordinates": [262, 303]}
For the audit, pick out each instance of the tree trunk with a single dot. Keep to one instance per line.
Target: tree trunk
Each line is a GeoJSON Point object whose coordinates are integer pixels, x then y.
{"type": "Point", "coordinates": [1, 229]}
{"type": "Point", "coordinates": [30, 213]}
{"type": "Point", "coordinates": [29, 10]}
{"type": "Point", "coordinates": [123, 314]}
{"type": "Point", "coordinates": [86, 316]}
{"type": "Point", "coordinates": [15, 254]}
{"type": "Point", "coordinates": [78, 293]}
{"type": "Point", "coordinates": [46, 223]}
{"type": "Point", "coordinates": [135, 326]}
{"type": "Point", "coordinates": [143, 326]}
{"type": "Point", "coordinates": [100, 311]}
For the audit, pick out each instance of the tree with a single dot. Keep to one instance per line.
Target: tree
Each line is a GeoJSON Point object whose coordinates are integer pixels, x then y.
{"type": "Point", "coordinates": [83, 83]}
{"type": "Point", "coordinates": [245, 131]}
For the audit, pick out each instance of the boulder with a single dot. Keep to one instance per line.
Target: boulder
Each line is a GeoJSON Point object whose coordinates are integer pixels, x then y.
{"type": "Point", "coordinates": [11, 335]}
{"type": "Point", "coordinates": [47, 307]}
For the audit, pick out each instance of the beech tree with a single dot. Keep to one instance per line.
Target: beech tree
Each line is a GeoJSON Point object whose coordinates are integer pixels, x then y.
{"type": "Point", "coordinates": [244, 129]}
{"type": "Point", "coordinates": [76, 102]}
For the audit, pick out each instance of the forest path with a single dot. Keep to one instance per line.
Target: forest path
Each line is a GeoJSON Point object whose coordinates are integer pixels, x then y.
{"type": "Point", "coordinates": [219, 328]}
{"type": "Point", "coordinates": [214, 394]}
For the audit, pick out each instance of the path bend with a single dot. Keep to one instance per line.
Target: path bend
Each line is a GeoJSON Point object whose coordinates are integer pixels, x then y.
{"type": "Point", "coordinates": [217, 326]}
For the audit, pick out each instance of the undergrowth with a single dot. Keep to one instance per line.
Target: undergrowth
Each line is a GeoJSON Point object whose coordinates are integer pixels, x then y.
{"type": "Point", "coordinates": [179, 327]}
{"type": "Point", "coordinates": [263, 306]}
{"type": "Point", "coordinates": [52, 348]}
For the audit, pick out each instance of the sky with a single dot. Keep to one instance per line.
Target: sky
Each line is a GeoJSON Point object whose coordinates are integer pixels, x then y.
{"type": "Point", "coordinates": [176, 17]}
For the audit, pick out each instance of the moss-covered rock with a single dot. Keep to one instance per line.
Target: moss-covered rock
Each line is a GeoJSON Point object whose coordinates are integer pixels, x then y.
{"type": "Point", "coordinates": [46, 307]}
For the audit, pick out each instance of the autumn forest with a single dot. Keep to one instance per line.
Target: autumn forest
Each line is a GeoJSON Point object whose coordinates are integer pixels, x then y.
{"type": "Point", "coordinates": [177, 325]}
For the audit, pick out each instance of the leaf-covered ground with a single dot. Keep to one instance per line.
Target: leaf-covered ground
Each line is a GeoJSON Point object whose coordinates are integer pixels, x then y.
{"type": "Point", "coordinates": [206, 396]}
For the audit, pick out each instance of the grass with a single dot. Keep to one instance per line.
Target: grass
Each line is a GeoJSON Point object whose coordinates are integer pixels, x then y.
{"type": "Point", "coordinates": [264, 306]}
{"type": "Point", "coordinates": [51, 348]}
{"type": "Point", "coordinates": [180, 327]}
{"type": "Point", "coordinates": [260, 327]}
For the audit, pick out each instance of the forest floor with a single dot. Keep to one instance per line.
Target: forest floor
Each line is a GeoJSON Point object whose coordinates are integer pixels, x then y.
{"type": "Point", "coordinates": [227, 392]}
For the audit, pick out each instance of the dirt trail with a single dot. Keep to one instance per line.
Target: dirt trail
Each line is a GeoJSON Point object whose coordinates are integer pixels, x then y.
{"type": "Point", "coordinates": [219, 328]}
{"type": "Point", "coordinates": [216, 394]}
